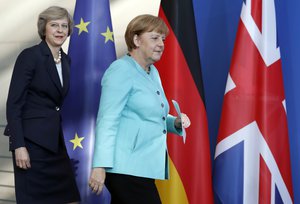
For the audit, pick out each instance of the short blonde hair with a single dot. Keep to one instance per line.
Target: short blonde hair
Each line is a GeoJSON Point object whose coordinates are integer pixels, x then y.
{"type": "Point", "coordinates": [53, 13]}
{"type": "Point", "coordinates": [141, 24]}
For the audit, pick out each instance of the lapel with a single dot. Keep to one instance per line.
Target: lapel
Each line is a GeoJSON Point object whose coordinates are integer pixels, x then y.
{"type": "Point", "coordinates": [152, 80]}
{"type": "Point", "coordinates": [51, 67]}
{"type": "Point", "coordinates": [153, 84]}
{"type": "Point", "coordinates": [65, 72]}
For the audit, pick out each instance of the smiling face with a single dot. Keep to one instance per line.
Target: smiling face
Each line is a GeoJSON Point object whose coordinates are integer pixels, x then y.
{"type": "Point", "coordinates": [56, 32]}
{"type": "Point", "coordinates": [150, 46]}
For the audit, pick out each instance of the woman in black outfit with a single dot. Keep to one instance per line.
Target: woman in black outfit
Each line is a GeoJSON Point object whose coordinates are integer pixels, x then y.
{"type": "Point", "coordinates": [39, 83]}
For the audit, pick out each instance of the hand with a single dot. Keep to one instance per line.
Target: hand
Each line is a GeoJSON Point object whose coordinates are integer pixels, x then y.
{"type": "Point", "coordinates": [182, 121]}
{"type": "Point", "coordinates": [97, 179]}
{"type": "Point", "coordinates": [22, 158]}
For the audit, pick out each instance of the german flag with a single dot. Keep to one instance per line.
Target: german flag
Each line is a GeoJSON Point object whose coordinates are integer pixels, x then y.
{"type": "Point", "coordinates": [180, 71]}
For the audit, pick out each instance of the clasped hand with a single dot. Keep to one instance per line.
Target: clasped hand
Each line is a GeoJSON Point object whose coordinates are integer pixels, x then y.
{"type": "Point", "coordinates": [182, 121]}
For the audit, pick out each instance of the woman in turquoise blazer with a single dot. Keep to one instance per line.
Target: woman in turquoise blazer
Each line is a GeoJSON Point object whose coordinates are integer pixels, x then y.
{"type": "Point", "coordinates": [133, 120]}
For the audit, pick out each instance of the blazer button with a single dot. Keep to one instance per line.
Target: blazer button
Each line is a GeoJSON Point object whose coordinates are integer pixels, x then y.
{"type": "Point", "coordinates": [164, 131]}
{"type": "Point", "coordinates": [162, 105]}
{"type": "Point", "coordinates": [163, 118]}
{"type": "Point", "coordinates": [57, 108]}
{"type": "Point", "coordinates": [158, 93]}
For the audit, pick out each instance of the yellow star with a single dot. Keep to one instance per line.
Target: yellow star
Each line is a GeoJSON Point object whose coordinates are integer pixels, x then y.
{"type": "Point", "coordinates": [82, 26]}
{"type": "Point", "coordinates": [77, 142]}
{"type": "Point", "coordinates": [108, 35]}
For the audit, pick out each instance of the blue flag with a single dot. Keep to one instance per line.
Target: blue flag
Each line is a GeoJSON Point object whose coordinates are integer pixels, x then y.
{"type": "Point", "coordinates": [91, 50]}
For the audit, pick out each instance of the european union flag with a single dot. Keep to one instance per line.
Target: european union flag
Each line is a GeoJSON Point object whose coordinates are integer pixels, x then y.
{"type": "Point", "coordinates": [91, 50]}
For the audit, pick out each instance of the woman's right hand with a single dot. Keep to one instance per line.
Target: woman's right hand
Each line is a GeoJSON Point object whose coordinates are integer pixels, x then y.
{"type": "Point", "coordinates": [97, 179]}
{"type": "Point", "coordinates": [22, 158]}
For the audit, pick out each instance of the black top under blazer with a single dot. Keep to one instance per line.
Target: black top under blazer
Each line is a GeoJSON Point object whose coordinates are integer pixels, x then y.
{"type": "Point", "coordinates": [35, 97]}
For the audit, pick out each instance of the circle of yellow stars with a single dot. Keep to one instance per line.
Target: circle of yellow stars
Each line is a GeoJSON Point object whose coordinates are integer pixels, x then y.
{"type": "Point", "coordinates": [83, 27]}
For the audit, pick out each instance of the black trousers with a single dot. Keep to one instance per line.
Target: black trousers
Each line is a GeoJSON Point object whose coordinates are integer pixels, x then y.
{"type": "Point", "coordinates": [126, 189]}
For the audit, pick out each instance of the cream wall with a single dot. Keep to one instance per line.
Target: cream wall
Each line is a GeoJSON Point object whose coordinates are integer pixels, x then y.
{"type": "Point", "coordinates": [18, 31]}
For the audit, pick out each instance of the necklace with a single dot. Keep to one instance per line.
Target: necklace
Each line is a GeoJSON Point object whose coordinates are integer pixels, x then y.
{"type": "Point", "coordinates": [57, 60]}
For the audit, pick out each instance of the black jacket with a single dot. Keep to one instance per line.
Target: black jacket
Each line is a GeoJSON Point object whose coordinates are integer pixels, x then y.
{"type": "Point", "coordinates": [35, 97]}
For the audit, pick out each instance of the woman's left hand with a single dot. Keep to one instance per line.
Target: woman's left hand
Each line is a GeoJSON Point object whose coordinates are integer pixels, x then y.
{"type": "Point", "coordinates": [182, 121]}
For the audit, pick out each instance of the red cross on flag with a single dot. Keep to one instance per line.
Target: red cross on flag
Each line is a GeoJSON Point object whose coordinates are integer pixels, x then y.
{"type": "Point", "coordinates": [252, 158]}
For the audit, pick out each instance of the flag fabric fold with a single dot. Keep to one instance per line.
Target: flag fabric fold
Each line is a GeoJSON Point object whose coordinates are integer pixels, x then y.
{"type": "Point", "coordinates": [91, 50]}
{"type": "Point", "coordinates": [252, 158]}
{"type": "Point", "coordinates": [180, 71]}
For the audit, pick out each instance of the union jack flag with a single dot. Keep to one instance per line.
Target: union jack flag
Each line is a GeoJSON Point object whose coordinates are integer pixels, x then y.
{"type": "Point", "coordinates": [252, 158]}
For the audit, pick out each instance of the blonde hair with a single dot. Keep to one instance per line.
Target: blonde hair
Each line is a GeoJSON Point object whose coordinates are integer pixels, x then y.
{"type": "Point", "coordinates": [141, 24]}
{"type": "Point", "coordinates": [53, 13]}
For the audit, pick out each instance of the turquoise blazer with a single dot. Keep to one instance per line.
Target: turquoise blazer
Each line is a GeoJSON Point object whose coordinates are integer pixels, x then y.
{"type": "Point", "coordinates": [133, 122]}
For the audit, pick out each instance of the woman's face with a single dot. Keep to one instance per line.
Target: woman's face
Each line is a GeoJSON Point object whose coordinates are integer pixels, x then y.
{"type": "Point", "coordinates": [150, 45]}
{"type": "Point", "coordinates": [56, 32]}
